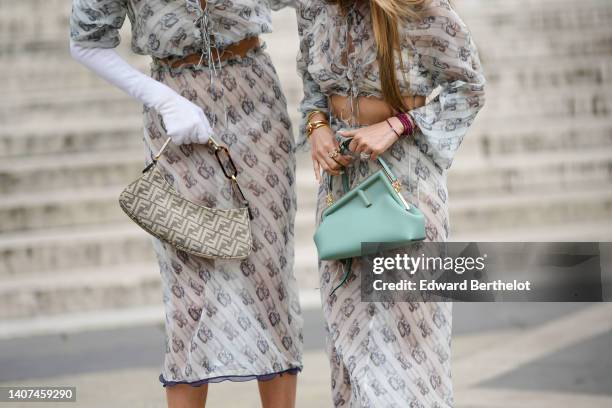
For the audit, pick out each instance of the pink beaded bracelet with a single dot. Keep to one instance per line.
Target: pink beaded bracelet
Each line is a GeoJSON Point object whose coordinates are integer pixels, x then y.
{"type": "Point", "coordinates": [407, 123]}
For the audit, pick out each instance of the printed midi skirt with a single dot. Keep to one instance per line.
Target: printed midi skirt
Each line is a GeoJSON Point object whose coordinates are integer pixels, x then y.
{"type": "Point", "coordinates": [389, 354]}
{"type": "Point", "coordinates": [231, 319]}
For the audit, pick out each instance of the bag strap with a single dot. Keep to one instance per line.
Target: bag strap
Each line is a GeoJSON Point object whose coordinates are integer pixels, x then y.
{"type": "Point", "coordinates": [346, 265]}
{"type": "Point", "coordinates": [229, 173]}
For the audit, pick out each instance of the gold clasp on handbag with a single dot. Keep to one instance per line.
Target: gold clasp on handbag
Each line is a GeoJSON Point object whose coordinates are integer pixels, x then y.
{"type": "Point", "coordinates": [397, 186]}
{"type": "Point", "coordinates": [213, 143]}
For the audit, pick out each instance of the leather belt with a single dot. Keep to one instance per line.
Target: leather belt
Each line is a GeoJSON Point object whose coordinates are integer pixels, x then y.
{"type": "Point", "coordinates": [239, 49]}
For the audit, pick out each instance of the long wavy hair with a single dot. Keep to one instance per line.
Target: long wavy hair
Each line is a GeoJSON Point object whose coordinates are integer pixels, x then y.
{"type": "Point", "coordinates": [387, 15]}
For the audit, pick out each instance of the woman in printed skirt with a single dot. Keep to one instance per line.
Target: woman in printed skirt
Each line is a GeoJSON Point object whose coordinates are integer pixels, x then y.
{"type": "Point", "coordinates": [403, 79]}
{"type": "Point", "coordinates": [225, 319]}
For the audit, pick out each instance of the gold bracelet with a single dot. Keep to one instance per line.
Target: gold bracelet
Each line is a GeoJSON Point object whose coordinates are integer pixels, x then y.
{"type": "Point", "coordinates": [312, 113]}
{"type": "Point", "coordinates": [312, 126]}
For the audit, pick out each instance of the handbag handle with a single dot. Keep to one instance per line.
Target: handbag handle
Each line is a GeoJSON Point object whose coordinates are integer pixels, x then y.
{"type": "Point", "coordinates": [230, 175]}
{"type": "Point", "coordinates": [395, 183]}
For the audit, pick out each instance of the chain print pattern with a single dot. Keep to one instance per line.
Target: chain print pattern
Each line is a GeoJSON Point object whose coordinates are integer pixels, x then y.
{"type": "Point", "coordinates": [225, 319]}
{"type": "Point", "coordinates": [232, 319]}
{"type": "Point", "coordinates": [385, 355]}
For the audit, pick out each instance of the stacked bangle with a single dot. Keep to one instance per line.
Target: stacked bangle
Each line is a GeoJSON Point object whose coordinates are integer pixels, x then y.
{"type": "Point", "coordinates": [312, 126]}
{"type": "Point", "coordinates": [407, 122]}
{"type": "Point", "coordinates": [312, 113]}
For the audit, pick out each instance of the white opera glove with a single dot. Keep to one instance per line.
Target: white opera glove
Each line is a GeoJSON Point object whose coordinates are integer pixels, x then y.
{"type": "Point", "coordinates": [185, 122]}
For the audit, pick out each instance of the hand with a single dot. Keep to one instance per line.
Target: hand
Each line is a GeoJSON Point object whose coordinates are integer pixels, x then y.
{"type": "Point", "coordinates": [374, 139]}
{"type": "Point", "coordinates": [322, 142]}
{"type": "Point", "coordinates": [185, 122]}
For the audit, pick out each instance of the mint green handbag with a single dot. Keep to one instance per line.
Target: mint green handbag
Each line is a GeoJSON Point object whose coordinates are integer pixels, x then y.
{"type": "Point", "coordinates": [374, 211]}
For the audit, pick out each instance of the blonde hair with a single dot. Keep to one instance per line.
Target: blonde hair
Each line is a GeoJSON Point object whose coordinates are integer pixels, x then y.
{"type": "Point", "coordinates": [387, 15]}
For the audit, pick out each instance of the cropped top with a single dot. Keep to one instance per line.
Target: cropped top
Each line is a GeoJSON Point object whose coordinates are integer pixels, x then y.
{"type": "Point", "coordinates": [437, 53]}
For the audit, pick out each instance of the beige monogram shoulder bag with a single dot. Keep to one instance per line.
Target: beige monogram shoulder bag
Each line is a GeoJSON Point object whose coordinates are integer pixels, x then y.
{"type": "Point", "coordinates": [152, 203]}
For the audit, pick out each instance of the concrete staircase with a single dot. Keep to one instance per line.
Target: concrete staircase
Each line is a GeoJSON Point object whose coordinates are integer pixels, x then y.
{"type": "Point", "coordinates": [537, 164]}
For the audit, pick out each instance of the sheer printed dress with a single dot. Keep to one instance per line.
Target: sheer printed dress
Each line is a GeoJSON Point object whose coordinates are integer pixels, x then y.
{"type": "Point", "coordinates": [392, 354]}
{"type": "Point", "coordinates": [225, 319]}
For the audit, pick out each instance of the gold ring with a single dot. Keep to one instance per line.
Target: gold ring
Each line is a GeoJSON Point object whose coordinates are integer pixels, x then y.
{"type": "Point", "coordinates": [333, 154]}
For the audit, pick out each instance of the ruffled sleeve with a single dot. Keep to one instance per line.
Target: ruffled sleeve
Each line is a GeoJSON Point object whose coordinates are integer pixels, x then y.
{"type": "Point", "coordinates": [313, 98]}
{"type": "Point", "coordinates": [448, 53]}
{"type": "Point", "coordinates": [96, 23]}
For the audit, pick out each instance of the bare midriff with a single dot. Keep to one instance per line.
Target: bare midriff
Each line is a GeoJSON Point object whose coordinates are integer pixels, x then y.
{"type": "Point", "coordinates": [367, 110]}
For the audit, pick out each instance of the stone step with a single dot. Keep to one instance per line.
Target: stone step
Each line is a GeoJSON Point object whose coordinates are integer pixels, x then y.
{"type": "Point", "coordinates": [597, 231]}
{"type": "Point", "coordinates": [530, 75]}
{"type": "Point", "coordinates": [105, 287]}
{"type": "Point", "coordinates": [70, 171]}
{"type": "Point", "coordinates": [122, 286]}
{"type": "Point", "coordinates": [63, 248]}
{"type": "Point", "coordinates": [527, 136]}
{"type": "Point", "coordinates": [59, 250]}
{"type": "Point", "coordinates": [534, 76]}
{"type": "Point", "coordinates": [538, 22]}
{"type": "Point", "coordinates": [56, 249]}
{"type": "Point", "coordinates": [584, 231]}
{"type": "Point", "coordinates": [138, 284]}
{"type": "Point", "coordinates": [31, 211]}
{"type": "Point", "coordinates": [581, 103]}
{"type": "Point", "coordinates": [81, 105]}
{"type": "Point", "coordinates": [35, 138]}
{"type": "Point", "coordinates": [523, 174]}
{"type": "Point", "coordinates": [45, 252]}
{"type": "Point", "coordinates": [531, 173]}
{"type": "Point", "coordinates": [28, 75]}
{"type": "Point", "coordinates": [92, 205]}
{"type": "Point", "coordinates": [486, 137]}
{"type": "Point", "coordinates": [537, 17]}
{"type": "Point", "coordinates": [537, 210]}
{"type": "Point", "coordinates": [31, 77]}
{"type": "Point", "coordinates": [540, 45]}
{"type": "Point", "coordinates": [29, 19]}
{"type": "Point", "coordinates": [77, 108]}
{"type": "Point", "coordinates": [511, 43]}
{"type": "Point", "coordinates": [73, 171]}
{"type": "Point", "coordinates": [33, 18]}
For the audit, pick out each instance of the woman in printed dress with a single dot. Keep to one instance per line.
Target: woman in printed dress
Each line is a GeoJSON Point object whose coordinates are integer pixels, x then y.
{"type": "Point", "coordinates": [362, 63]}
{"type": "Point", "coordinates": [225, 319]}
